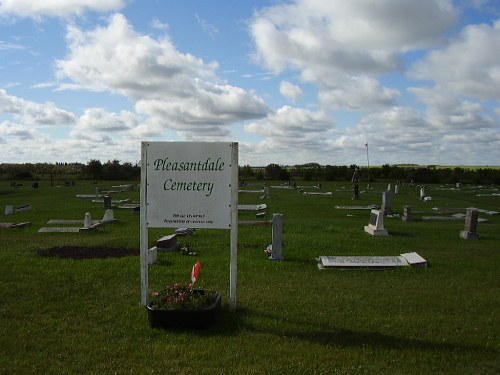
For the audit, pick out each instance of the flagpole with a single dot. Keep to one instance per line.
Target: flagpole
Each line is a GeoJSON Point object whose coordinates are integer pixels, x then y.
{"type": "Point", "coordinates": [368, 163]}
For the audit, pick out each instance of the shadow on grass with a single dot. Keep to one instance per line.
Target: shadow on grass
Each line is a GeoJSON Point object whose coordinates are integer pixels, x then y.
{"type": "Point", "coordinates": [231, 323]}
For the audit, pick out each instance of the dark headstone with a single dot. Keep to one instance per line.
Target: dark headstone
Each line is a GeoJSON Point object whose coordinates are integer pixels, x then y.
{"type": "Point", "coordinates": [107, 201]}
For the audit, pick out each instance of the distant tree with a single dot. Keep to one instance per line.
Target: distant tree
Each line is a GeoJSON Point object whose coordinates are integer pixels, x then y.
{"type": "Point", "coordinates": [276, 172]}
{"type": "Point", "coordinates": [94, 169]}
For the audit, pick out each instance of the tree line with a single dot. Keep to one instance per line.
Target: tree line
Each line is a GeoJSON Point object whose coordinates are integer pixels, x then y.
{"type": "Point", "coordinates": [114, 170]}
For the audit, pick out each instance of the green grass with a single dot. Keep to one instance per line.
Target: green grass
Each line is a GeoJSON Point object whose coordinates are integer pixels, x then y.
{"type": "Point", "coordinates": [84, 316]}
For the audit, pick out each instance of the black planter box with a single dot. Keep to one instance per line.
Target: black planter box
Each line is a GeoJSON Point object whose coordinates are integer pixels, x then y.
{"type": "Point", "coordinates": [160, 318]}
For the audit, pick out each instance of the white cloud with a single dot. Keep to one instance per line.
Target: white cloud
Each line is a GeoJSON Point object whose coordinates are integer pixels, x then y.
{"type": "Point", "coordinates": [343, 46]}
{"type": "Point", "coordinates": [351, 36]}
{"type": "Point", "coordinates": [290, 91]}
{"type": "Point", "coordinates": [16, 131]}
{"type": "Point", "coordinates": [468, 66]}
{"type": "Point", "coordinates": [447, 111]}
{"type": "Point", "coordinates": [178, 91]}
{"type": "Point", "coordinates": [38, 9]}
{"type": "Point", "coordinates": [208, 28]}
{"type": "Point", "coordinates": [292, 131]}
{"type": "Point", "coordinates": [357, 94]}
{"type": "Point", "coordinates": [32, 113]}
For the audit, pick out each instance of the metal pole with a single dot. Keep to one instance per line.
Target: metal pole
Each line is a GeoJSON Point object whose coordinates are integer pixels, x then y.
{"type": "Point", "coordinates": [368, 163]}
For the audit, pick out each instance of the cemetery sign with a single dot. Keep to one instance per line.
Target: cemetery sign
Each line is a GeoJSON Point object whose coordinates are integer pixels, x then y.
{"type": "Point", "coordinates": [188, 184]}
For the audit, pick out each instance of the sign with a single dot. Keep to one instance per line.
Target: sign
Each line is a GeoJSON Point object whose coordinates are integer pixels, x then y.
{"type": "Point", "coordinates": [188, 184]}
{"type": "Point", "coordinates": [193, 185]}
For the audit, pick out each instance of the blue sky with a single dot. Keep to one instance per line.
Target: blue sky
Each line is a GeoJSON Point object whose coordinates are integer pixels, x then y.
{"type": "Point", "coordinates": [292, 81]}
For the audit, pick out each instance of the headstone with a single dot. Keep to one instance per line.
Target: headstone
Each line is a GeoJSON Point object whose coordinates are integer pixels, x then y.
{"type": "Point", "coordinates": [396, 189]}
{"type": "Point", "coordinates": [422, 192]}
{"type": "Point", "coordinates": [25, 207]}
{"type": "Point", "coordinates": [407, 216]}
{"type": "Point", "coordinates": [168, 243]}
{"type": "Point", "coordinates": [87, 221]}
{"type": "Point", "coordinates": [376, 224]}
{"type": "Point", "coordinates": [371, 262]}
{"type": "Point", "coordinates": [108, 215]}
{"type": "Point", "coordinates": [277, 237]}
{"type": "Point", "coordinates": [471, 218]}
{"type": "Point", "coordinates": [152, 255]}
{"type": "Point", "coordinates": [355, 182]}
{"type": "Point", "coordinates": [107, 202]}
{"type": "Point", "coordinates": [367, 262]}
{"type": "Point", "coordinates": [9, 209]}
{"type": "Point", "coordinates": [389, 188]}
{"type": "Point", "coordinates": [415, 260]}
{"type": "Point", "coordinates": [386, 202]}
{"type": "Point", "coordinates": [266, 193]}
{"type": "Point", "coordinates": [184, 231]}
{"type": "Point", "coordinates": [458, 185]}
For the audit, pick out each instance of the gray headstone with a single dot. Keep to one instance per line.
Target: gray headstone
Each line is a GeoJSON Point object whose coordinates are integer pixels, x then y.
{"type": "Point", "coordinates": [167, 242]}
{"type": "Point", "coordinates": [376, 224]}
{"type": "Point", "coordinates": [471, 218]}
{"type": "Point", "coordinates": [407, 215]}
{"type": "Point", "coordinates": [386, 202]}
{"type": "Point", "coordinates": [277, 236]}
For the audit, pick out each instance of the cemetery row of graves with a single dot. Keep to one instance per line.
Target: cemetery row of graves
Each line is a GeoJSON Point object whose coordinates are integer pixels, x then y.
{"type": "Point", "coordinates": [391, 277]}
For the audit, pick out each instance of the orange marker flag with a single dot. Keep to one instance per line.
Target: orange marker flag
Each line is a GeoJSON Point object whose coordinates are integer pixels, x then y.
{"type": "Point", "coordinates": [195, 271]}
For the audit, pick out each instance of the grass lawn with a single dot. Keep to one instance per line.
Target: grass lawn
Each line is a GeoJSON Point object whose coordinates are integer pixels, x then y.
{"type": "Point", "coordinates": [84, 316]}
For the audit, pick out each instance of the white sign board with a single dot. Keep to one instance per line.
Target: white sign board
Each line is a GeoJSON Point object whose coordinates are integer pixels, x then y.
{"type": "Point", "coordinates": [188, 184]}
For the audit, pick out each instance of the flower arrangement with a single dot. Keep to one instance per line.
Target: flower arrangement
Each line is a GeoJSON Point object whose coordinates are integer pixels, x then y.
{"type": "Point", "coordinates": [180, 305]}
{"type": "Point", "coordinates": [182, 297]}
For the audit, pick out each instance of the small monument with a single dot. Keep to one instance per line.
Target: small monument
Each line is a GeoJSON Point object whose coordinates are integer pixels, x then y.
{"type": "Point", "coordinates": [376, 224]}
{"type": "Point", "coordinates": [87, 221]}
{"type": "Point", "coordinates": [386, 202]}
{"type": "Point", "coordinates": [355, 182]}
{"type": "Point", "coordinates": [396, 189]}
{"type": "Point", "coordinates": [108, 216]}
{"type": "Point", "coordinates": [471, 218]}
{"type": "Point", "coordinates": [277, 237]}
{"type": "Point", "coordinates": [422, 192]}
{"type": "Point", "coordinates": [407, 216]}
{"type": "Point", "coordinates": [9, 209]}
{"type": "Point", "coordinates": [107, 202]}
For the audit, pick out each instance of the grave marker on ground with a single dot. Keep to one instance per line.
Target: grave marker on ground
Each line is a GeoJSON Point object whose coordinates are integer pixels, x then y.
{"type": "Point", "coordinates": [386, 202]}
{"type": "Point", "coordinates": [407, 214]}
{"type": "Point", "coordinates": [471, 218]}
{"type": "Point", "coordinates": [376, 224]}
{"type": "Point", "coordinates": [371, 262]}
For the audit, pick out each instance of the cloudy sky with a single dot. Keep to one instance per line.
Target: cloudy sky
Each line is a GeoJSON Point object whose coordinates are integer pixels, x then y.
{"type": "Point", "coordinates": [292, 81]}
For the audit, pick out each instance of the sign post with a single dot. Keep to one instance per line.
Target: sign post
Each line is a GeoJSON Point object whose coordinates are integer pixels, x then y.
{"type": "Point", "coordinates": [189, 184]}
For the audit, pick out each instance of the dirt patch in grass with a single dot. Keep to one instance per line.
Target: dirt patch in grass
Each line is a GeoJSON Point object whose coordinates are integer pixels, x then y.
{"type": "Point", "coordinates": [84, 252]}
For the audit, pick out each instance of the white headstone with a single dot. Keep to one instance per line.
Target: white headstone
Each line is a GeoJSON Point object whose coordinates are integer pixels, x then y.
{"type": "Point", "coordinates": [108, 215]}
{"type": "Point", "coordinates": [376, 225]}
{"type": "Point", "coordinates": [87, 220]}
{"type": "Point", "coordinates": [9, 209]}
{"type": "Point", "coordinates": [422, 192]}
